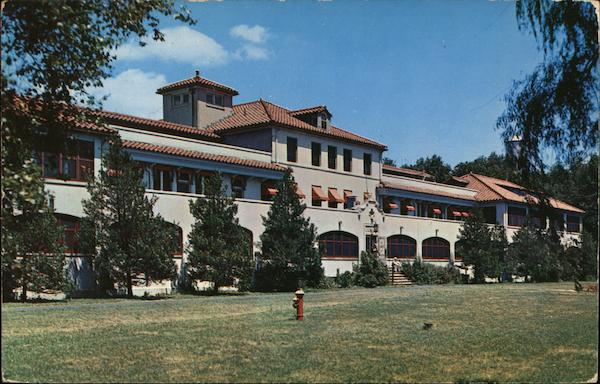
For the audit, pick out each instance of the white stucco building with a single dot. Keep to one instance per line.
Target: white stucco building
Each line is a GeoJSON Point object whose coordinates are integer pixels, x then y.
{"type": "Point", "coordinates": [355, 202]}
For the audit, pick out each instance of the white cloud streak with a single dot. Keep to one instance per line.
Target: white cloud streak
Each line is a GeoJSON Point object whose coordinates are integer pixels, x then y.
{"type": "Point", "coordinates": [256, 34]}
{"type": "Point", "coordinates": [133, 92]}
{"type": "Point", "coordinates": [182, 45]}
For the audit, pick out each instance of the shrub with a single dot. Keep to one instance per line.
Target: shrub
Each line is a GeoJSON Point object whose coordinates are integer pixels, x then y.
{"type": "Point", "coordinates": [422, 273]}
{"type": "Point", "coordinates": [370, 272]}
{"type": "Point", "coordinates": [345, 280]}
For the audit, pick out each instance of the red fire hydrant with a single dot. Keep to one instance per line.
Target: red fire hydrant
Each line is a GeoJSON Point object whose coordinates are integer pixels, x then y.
{"type": "Point", "coordinates": [298, 303]}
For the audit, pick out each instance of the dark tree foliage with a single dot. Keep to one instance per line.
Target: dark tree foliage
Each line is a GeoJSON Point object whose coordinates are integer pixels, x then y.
{"type": "Point", "coordinates": [370, 272]}
{"type": "Point", "coordinates": [433, 165]}
{"type": "Point", "coordinates": [494, 165]}
{"type": "Point", "coordinates": [32, 254]}
{"type": "Point", "coordinates": [538, 255]}
{"type": "Point", "coordinates": [219, 249]}
{"type": "Point", "coordinates": [289, 257]}
{"type": "Point", "coordinates": [482, 246]}
{"type": "Point", "coordinates": [556, 106]}
{"type": "Point", "coordinates": [128, 243]}
{"type": "Point", "coordinates": [389, 161]}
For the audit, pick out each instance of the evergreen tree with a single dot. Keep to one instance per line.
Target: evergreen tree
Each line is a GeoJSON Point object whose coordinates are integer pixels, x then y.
{"type": "Point", "coordinates": [120, 230]}
{"type": "Point", "coordinates": [32, 253]}
{"type": "Point", "coordinates": [536, 254]}
{"type": "Point", "coordinates": [218, 248]}
{"type": "Point", "coordinates": [289, 258]}
{"type": "Point", "coordinates": [482, 246]}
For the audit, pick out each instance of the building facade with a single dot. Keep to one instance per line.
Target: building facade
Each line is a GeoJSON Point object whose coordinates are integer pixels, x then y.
{"type": "Point", "coordinates": [355, 201]}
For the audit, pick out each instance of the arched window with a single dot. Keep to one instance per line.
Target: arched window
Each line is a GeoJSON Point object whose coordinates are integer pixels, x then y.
{"type": "Point", "coordinates": [401, 246]}
{"type": "Point", "coordinates": [178, 243]}
{"type": "Point", "coordinates": [458, 250]}
{"type": "Point", "coordinates": [436, 248]}
{"type": "Point", "coordinates": [71, 227]}
{"type": "Point", "coordinates": [338, 244]}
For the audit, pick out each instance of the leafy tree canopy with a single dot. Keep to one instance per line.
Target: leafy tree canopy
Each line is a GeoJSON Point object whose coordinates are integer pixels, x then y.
{"type": "Point", "coordinates": [556, 106]}
{"type": "Point", "coordinates": [433, 165]}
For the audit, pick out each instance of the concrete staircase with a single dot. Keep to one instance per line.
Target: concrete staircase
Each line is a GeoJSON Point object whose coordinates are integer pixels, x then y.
{"type": "Point", "coordinates": [398, 279]}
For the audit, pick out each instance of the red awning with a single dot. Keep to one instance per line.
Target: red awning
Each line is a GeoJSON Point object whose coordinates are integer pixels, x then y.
{"type": "Point", "coordinates": [334, 197]}
{"type": "Point", "coordinates": [410, 208]}
{"type": "Point", "coordinates": [347, 194]}
{"type": "Point", "coordinates": [437, 211]}
{"type": "Point", "coordinates": [318, 194]}
{"type": "Point", "coordinates": [456, 213]}
{"type": "Point", "coordinates": [393, 205]}
{"type": "Point", "coordinates": [465, 214]}
{"type": "Point", "coordinates": [299, 192]}
{"type": "Point", "coordinates": [366, 196]}
{"type": "Point", "coordinates": [272, 191]}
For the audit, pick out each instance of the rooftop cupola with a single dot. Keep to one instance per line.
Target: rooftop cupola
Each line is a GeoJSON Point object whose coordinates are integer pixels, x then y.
{"type": "Point", "coordinates": [317, 116]}
{"type": "Point", "coordinates": [196, 101]}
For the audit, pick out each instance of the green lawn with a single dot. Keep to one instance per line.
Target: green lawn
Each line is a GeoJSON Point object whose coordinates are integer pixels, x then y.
{"type": "Point", "coordinates": [502, 332]}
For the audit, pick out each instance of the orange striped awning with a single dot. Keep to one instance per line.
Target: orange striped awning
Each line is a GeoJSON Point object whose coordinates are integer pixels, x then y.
{"type": "Point", "coordinates": [410, 208]}
{"type": "Point", "coordinates": [318, 194]}
{"type": "Point", "coordinates": [456, 213]}
{"type": "Point", "coordinates": [393, 205]}
{"type": "Point", "coordinates": [465, 214]}
{"type": "Point", "coordinates": [272, 191]}
{"type": "Point", "coordinates": [299, 192]}
{"type": "Point", "coordinates": [334, 197]}
{"type": "Point", "coordinates": [437, 211]}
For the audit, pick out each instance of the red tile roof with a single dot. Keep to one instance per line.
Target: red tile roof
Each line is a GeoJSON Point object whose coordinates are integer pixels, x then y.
{"type": "Point", "coordinates": [197, 81]}
{"type": "Point", "coordinates": [80, 118]}
{"type": "Point", "coordinates": [433, 192]}
{"type": "Point", "coordinates": [492, 189]}
{"type": "Point", "coordinates": [167, 150]}
{"type": "Point", "coordinates": [405, 171]}
{"type": "Point", "coordinates": [262, 112]}
{"type": "Point", "coordinates": [304, 111]}
{"type": "Point", "coordinates": [156, 125]}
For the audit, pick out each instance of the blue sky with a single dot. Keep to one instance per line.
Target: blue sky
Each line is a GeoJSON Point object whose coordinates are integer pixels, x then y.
{"type": "Point", "coordinates": [424, 77]}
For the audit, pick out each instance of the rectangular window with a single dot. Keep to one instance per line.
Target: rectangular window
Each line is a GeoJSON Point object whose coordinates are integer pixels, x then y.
{"type": "Point", "coordinates": [210, 98]}
{"type": "Point", "coordinates": [489, 214]}
{"type": "Point", "coordinates": [367, 164]}
{"type": "Point", "coordinates": [292, 149]}
{"type": "Point", "coordinates": [76, 164]}
{"type": "Point", "coordinates": [163, 178]}
{"type": "Point", "coordinates": [573, 224]}
{"type": "Point", "coordinates": [347, 160]}
{"type": "Point", "coordinates": [184, 181]}
{"type": "Point", "coordinates": [199, 183]}
{"type": "Point", "coordinates": [348, 199]}
{"type": "Point", "coordinates": [176, 100]}
{"type": "Point", "coordinates": [219, 100]}
{"type": "Point", "coordinates": [316, 154]}
{"type": "Point", "coordinates": [238, 186]}
{"type": "Point", "coordinates": [331, 157]}
{"type": "Point", "coordinates": [516, 216]}
{"type": "Point", "coordinates": [186, 99]}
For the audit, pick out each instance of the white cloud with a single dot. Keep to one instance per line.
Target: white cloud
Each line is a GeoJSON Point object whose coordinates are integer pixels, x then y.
{"type": "Point", "coordinates": [182, 44]}
{"type": "Point", "coordinates": [252, 52]}
{"type": "Point", "coordinates": [256, 34]}
{"type": "Point", "coordinates": [133, 92]}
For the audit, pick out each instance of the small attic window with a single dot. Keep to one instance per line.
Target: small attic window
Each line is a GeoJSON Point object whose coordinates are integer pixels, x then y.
{"type": "Point", "coordinates": [181, 99]}
{"type": "Point", "coordinates": [214, 99]}
{"type": "Point", "coordinates": [323, 121]}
